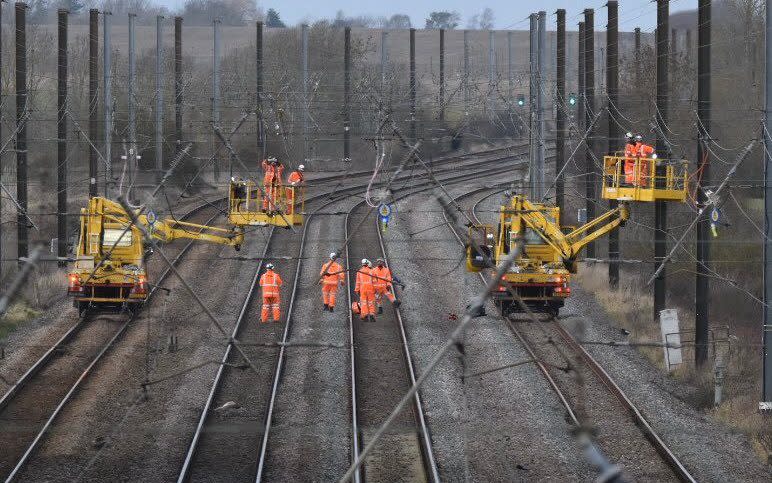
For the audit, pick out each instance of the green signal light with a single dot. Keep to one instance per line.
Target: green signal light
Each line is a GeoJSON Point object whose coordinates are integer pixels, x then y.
{"type": "Point", "coordinates": [521, 100]}
{"type": "Point", "coordinates": [572, 99]}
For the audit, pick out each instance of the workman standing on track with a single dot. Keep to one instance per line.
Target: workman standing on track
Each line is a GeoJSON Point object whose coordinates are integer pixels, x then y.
{"type": "Point", "coordinates": [366, 290]}
{"type": "Point", "coordinates": [270, 285]}
{"type": "Point", "coordinates": [333, 276]}
{"type": "Point", "coordinates": [382, 281]}
{"type": "Point", "coordinates": [273, 171]}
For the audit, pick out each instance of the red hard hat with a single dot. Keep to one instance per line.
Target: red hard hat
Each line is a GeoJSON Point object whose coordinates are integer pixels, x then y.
{"type": "Point", "coordinates": [355, 307]}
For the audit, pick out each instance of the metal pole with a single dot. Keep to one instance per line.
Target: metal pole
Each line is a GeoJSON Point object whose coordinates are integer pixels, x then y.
{"type": "Point", "coordinates": [589, 113]}
{"type": "Point", "coordinates": [384, 60]}
{"type": "Point", "coordinates": [673, 48]}
{"type": "Point", "coordinates": [637, 59]}
{"type": "Point", "coordinates": [61, 142]}
{"type": "Point", "coordinates": [442, 74]}
{"type": "Point", "coordinates": [766, 393]}
{"type": "Point", "coordinates": [510, 67]}
{"type": "Point", "coordinates": [540, 87]}
{"type": "Point", "coordinates": [660, 207]}
{"type": "Point", "coordinates": [2, 252]}
{"type": "Point", "coordinates": [614, 138]}
{"type": "Point", "coordinates": [131, 101]}
{"type": "Point", "coordinates": [177, 85]}
{"type": "Point", "coordinates": [347, 94]}
{"type": "Point", "coordinates": [560, 121]}
{"type": "Point", "coordinates": [491, 66]}
{"type": "Point", "coordinates": [466, 72]}
{"type": "Point", "coordinates": [532, 88]}
{"type": "Point", "coordinates": [413, 134]}
{"type": "Point", "coordinates": [108, 102]}
{"type": "Point", "coordinates": [21, 128]}
{"type": "Point", "coordinates": [259, 89]}
{"type": "Point", "coordinates": [702, 287]}
{"type": "Point", "coordinates": [159, 100]}
{"type": "Point", "coordinates": [93, 96]}
{"type": "Point", "coordinates": [580, 85]}
{"type": "Point", "coordinates": [216, 95]}
{"type": "Point", "coordinates": [304, 60]}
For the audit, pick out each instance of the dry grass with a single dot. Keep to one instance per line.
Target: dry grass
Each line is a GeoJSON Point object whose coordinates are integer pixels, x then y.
{"type": "Point", "coordinates": [42, 291]}
{"type": "Point", "coordinates": [631, 308]}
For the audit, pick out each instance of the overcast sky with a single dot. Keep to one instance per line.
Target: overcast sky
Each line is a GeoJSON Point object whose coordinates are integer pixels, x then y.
{"type": "Point", "coordinates": [509, 14]}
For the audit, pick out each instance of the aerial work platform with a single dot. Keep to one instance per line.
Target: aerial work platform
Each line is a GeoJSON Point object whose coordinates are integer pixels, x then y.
{"type": "Point", "coordinates": [650, 179]}
{"type": "Point", "coordinates": [255, 205]}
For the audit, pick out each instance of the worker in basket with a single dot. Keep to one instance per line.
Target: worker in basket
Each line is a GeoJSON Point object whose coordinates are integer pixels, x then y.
{"type": "Point", "coordinates": [645, 156]}
{"type": "Point", "coordinates": [631, 152]}
{"type": "Point", "coordinates": [273, 171]}
{"type": "Point", "coordinates": [295, 181]}
{"type": "Point", "coordinates": [332, 277]}
{"type": "Point", "coordinates": [239, 192]}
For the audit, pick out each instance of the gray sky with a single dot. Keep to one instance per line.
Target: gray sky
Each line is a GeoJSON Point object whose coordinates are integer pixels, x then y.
{"type": "Point", "coordinates": [509, 14]}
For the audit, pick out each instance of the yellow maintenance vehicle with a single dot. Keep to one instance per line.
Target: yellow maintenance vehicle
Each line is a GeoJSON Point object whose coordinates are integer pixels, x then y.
{"type": "Point", "coordinates": [548, 252]}
{"type": "Point", "coordinates": [109, 270]}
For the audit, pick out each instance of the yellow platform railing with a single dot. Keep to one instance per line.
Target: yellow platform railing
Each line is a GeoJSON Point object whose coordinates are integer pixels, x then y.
{"type": "Point", "coordinates": [644, 179]}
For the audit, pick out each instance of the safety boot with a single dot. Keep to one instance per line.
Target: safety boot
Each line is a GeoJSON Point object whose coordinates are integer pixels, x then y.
{"type": "Point", "coordinates": [331, 308]}
{"type": "Point", "coordinates": [397, 303]}
{"type": "Point", "coordinates": [326, 307]}
{"type": "Point", "coordinates": [380, 310]}
{"type": "Point", "coordinates": [371, 318]}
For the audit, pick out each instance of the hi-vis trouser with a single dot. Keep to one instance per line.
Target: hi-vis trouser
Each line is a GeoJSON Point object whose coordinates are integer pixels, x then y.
{"type": "Point", "coordinates": [329, 291]}
{"type": "Point", "coordinates": [271, 303]}
{"type": "Point", "coordinates": [367, 302]}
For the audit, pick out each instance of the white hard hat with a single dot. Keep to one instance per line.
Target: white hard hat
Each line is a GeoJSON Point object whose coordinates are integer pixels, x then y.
{"type": "Point", "coordinates": [365, 261]}
{"type": "Point", "coordinates": [629, 135]}
{"type": "Point", "coordinates": [301, 167]}
{"type": "Point", "coordinates": [269, 266]}
{"type": "Point", "coordinates": [638, 137]}
{"type": "Point", "coordinates": [333, 255]}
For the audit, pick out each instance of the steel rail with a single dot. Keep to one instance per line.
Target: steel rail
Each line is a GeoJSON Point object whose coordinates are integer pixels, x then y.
{"type": "Point", "coordinates": [430, 464]}
{"type": "Point", "coordinates": [110, 344]}
{"type": "Point", "coordinates": [603, 376]}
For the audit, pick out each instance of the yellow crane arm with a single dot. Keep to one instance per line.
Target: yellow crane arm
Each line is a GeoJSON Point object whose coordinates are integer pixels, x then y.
{"type": "Point", "coordinates": [169, 230]}
{"type": "Point", "coordinates": [600, 226]}
{"type": "Point", "coordinates": [569, 245]}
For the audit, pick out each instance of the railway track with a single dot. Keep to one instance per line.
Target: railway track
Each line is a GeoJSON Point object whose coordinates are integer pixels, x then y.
{"type": "Point", "coordinates": [598, 399]}
{"type": "Point", "coordinates": [32, 404]}
{"type": "Point", "coordinates": [15, 395]}
{"type": "Point", "coordinates": [214, 439]}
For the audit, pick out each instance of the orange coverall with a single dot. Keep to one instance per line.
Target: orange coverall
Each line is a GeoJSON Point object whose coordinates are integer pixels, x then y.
{"type": "Point", "coordinates": [382, 285]}
{"type": "Point", "coordinates": [272, 175]}
{"type": "Point", "coordinates": [295, 179]}
{"type": "Point", "coordinates": [645, 152]}
{"type": "Point", "coordinates": [366, 290]}
{"type": "Point", "coordinates": [332, 277]}
{"type": "Point", "coordinates": [270, 285]}
{"type": "Point", "coordinates": [631, 152]}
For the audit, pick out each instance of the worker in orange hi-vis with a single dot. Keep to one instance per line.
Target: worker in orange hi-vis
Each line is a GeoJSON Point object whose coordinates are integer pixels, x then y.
{"type": "Point", "coordinates": [646, 154]}
{"type": "Point", "coordinates": [273, 171]}
{"type": "Point", "coordinates": [295, 181]}
{"type": "Point", "coordinates": [631, 152]}
{"type": "Point", "coordinates": [366, 290]}
{"type": "Point", "coordinates": [270, 285]}
{"type": "Point", "coordinates": [382, 280]}
{"type": "Point", "coordinates": [333, 276]}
